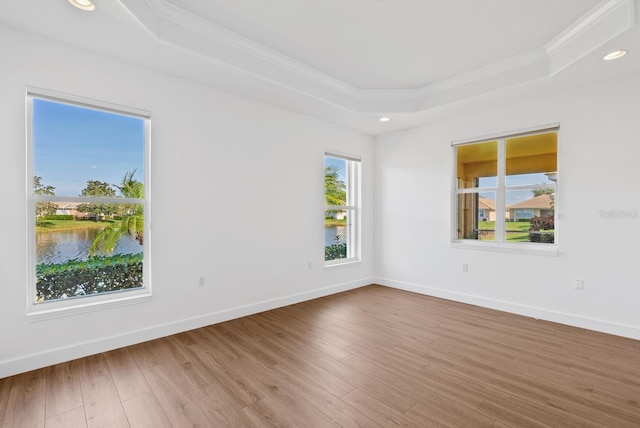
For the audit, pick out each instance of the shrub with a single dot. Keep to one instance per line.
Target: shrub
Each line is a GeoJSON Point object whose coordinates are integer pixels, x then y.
{"type": "Point", "coordinates": [335, 251]}
{"type": "Point", "coordinates": [86, 277]}
{"type": "Point", "coordinates": [544, 226]}
{"type": "Point", "coordinates": [58, 217]}
{"type": "Point", "coordinates": [472, 234]}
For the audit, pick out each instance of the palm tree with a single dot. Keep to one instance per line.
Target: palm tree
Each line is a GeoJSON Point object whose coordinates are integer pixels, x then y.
{"type": "Point", "coordinates": [132, 223]}
{"type": "Point", "coordinates": [335, 190]}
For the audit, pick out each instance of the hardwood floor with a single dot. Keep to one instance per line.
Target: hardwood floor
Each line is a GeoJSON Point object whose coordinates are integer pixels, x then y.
{"type": "Point", "coordinates": [372, 357]}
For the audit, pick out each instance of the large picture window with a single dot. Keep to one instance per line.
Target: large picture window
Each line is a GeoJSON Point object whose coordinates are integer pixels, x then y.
{"type": "Point", "coordinates": [342, 208]}
{"type": "Point", "coordinates": [506, 188]}
{"type": "Point", "coordinates": [88, 174]}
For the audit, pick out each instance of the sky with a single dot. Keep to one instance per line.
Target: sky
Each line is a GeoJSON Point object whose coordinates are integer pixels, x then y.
{"type": "Point", "coordinates": [72, 145]}
{"type": "Point", "coordinates": [339, 164]}
{"type": "Point", "coordinates": [514, 196]}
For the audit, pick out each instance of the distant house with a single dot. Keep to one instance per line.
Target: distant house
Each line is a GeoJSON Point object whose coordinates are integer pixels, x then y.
{"type": "Point", "coordinates": [486, 209]}
{"type": "Point", "coordinates": [67, 208]}
{"type": "Point", "coordinates": [538, 206]}
{"type": "Point", "coordinates": [336, 215]}
{"type": "Point", "coordinates": [71, 208]}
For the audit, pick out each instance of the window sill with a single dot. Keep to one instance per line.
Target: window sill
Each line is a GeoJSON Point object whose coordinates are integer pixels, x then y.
{"type": "Point", "coordinates": [533, 249]}
{"type": "Point", "coordinates": [334, 264]}
{"type": "Point", "coordinates": [51, 310]}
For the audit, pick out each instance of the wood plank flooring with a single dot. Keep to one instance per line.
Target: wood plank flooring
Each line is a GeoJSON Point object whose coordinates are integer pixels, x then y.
{"type": "Point", "coordinates": [371, 357]}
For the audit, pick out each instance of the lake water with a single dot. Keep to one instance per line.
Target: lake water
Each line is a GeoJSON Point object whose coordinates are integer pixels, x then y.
{"type": "Point", "coordinates": [330, 233]}
{"type": "Point", "coordinates": [60, 246]}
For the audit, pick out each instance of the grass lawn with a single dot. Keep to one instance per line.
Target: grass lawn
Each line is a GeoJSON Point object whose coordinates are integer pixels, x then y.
{"type": "Point", "coordinates": [57, 225]}
{"type": "Point", "coordinates": [517, 231]}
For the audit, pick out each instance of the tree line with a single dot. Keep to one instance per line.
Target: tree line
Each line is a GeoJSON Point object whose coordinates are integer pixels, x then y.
{"type": "Point", "coordinates": [131, 215]}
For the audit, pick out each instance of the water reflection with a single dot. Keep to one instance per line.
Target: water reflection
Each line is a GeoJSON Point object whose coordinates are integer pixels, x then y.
{"type": "Point", "coordinates": [63, 245]}
{"type": "Point", "coordinates": [331, 232]}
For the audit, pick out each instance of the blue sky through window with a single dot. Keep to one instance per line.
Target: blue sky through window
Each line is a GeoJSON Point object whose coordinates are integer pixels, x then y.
{"type": "Point", "coordinates": [339, 164]}
{"type": "Point", "coordinates": [75, 144]}
{"type": "Point", "coordinates": [513, 197]}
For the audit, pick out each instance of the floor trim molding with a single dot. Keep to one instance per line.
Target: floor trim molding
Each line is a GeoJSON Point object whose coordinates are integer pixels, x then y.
{"type": "Point", "coordinates": [49, 357]}
{"type": "Point", "coordinates": [603, 326]}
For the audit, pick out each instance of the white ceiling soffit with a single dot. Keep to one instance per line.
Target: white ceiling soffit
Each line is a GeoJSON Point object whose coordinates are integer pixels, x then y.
{"type": "Point", "coordinates": [192, 33]}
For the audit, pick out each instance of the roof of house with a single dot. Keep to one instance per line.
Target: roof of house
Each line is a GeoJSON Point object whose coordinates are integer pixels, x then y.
{"type": "Point", "coordinates": [486, 204]}
{"type": "Point", "coordinates": [543, 202]}
{"type": "Point", "coordinates": [67, 205]}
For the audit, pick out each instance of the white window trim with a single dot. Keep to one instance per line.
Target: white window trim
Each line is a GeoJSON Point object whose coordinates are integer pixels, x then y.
{"type": "Point", "coordinates": [354, 200]}
{"type": "Point", "coordinates": [39, 311]}
{"type": "Point", "coordinates": [499, 245]}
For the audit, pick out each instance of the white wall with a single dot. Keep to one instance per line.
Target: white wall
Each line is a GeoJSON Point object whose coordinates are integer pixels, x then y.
{"type": "Point", "coordinates": [599, 157]}
{"type": "Point", "coordinates": [236, 197]}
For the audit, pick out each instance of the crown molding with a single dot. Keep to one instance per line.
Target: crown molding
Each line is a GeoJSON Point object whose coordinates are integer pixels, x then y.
{"type": "Point", "coordinates": [190, 33]}
{"type": "Point", "coordinates": [516, 70]}
{"type": "Point", "coordinates": [608, 19]}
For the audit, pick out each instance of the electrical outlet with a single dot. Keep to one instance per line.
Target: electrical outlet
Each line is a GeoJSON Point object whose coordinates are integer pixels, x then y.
{"type": "Point", "coordinates": [578, 284]}
{"type": "Point", "coordinates": [465, 267]}
{"type": "Point", "coordinates": [201, 281]}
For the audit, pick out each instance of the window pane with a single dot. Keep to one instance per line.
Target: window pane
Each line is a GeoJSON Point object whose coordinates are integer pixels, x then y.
{"type": "Point", "coordinates": [477, 165]}
{"type": "Point", "coordinates": [336, 234]}
{"type": "Point", "coordinates": [73, 145]}
{"type": "Point", "coordinates": [522, 171]}
{"type": "Point", "coordinates": [78, 254]}
{"type": "Point", "coordinates": [341, 189]}
{"type": "Point", "coordinates": [477, 216]}
{"type": "Point", "coordinates": [90, 243]}
{"type": "Point", "coordinates": [336, 230]}
{"type": "Point", "coordinates": [335, 181]}
{"type": "Point", "coordinates": [532, 159]}
{"type": "Point", "coordinates": [530, 215]}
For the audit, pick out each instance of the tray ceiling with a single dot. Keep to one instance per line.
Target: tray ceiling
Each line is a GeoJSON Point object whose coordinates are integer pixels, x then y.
{"type": "Point", "coordinates": [394, 44]}
{"type": "Point", "coordinates": [352, 61]}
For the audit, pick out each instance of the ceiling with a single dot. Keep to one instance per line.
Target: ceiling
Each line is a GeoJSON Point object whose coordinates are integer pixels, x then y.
{"type": "Point", "coordinates": [351, 62]}
{"type": "Point", "coordinates": [394, 44]}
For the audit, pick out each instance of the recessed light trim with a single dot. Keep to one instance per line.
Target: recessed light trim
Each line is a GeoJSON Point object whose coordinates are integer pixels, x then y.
{"type": "Point", "coordinates": [83, 4]}
{"type": "Point", "coordinates": [614, 55]}
{"type": "Point", "coordinates": [384, 119]}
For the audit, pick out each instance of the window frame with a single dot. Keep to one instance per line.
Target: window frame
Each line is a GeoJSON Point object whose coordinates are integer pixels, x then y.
{"type": "Point", "coordinates": [353, 205]}
{"type": "Point", "coordinates": [500, 244]}
{"type": "Point", "coordinates": [37, 311]}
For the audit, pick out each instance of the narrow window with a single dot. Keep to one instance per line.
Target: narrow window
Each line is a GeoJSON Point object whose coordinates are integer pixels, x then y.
{"type": "Point", "coordinates": [88, 225]}
{"type": "Point", "coordinates": [505, 188]}
{"type": "Point", "coordinates": [342, 208]}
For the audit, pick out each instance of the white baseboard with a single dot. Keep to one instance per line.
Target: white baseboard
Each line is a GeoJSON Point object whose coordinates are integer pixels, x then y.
{"type": "Point", "coordinates": [617, 329]}
{"type": "Point", "coordinates": [49, 357]}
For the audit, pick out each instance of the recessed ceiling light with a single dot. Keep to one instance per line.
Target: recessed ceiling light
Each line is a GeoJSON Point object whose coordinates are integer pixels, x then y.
{"type": "Point", "coordinates": [614, 55]}
{"type": "Point", "coordinates": [83, 4]}
{"type": "Point", "coordinates": [384, 119]}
